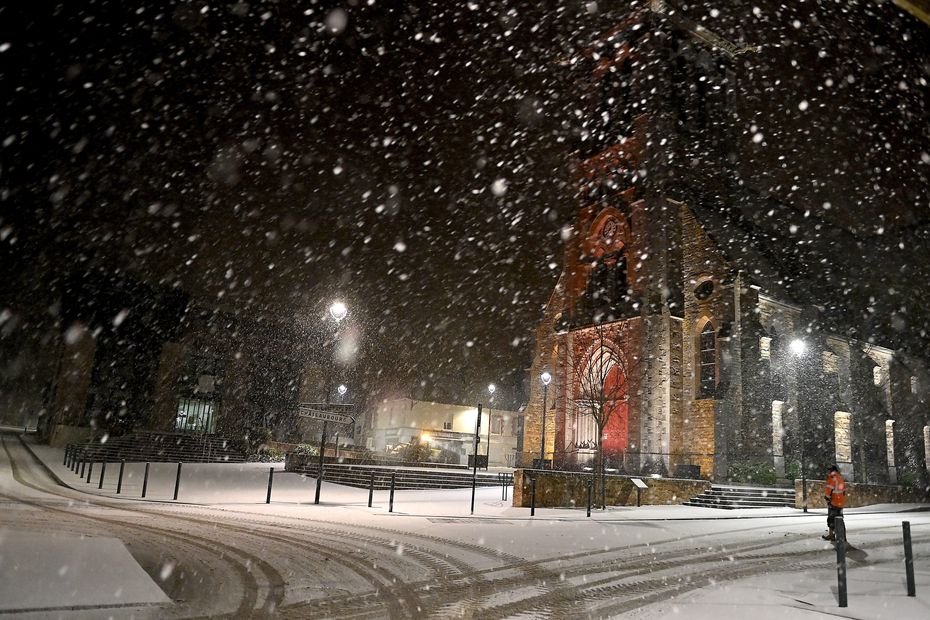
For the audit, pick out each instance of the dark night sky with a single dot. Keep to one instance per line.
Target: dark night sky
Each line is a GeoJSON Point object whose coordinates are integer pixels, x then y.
{"type": "Point", "coordinates": [407, 156]}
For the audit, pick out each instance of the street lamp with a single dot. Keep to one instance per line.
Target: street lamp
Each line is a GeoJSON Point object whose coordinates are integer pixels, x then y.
{"type": "Point", "coordinates": [491, 389]}
{"type": "Point", "coordinates": [545, 377]}
{"type": "Point", "coordinates": [798, 347]}
{"type": "Point", "coordinates": [338, 311]}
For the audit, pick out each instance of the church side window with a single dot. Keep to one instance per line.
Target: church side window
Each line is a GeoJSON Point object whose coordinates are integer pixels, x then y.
{"type": "Point", "coordinates": [708, 361]}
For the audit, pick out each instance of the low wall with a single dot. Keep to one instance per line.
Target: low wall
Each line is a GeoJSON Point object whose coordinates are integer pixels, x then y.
{"type": "Point", "coordinates": [564, 489]}
{"type": "Point", "coordinates": [859, 495]}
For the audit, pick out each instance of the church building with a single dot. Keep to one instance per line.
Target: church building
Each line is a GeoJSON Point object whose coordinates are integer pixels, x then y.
{"type": "Point", "coordinates": [683, 336]}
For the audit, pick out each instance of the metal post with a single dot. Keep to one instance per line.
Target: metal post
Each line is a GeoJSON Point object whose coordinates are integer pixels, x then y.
{"type": "Point", "coordinates": [487, 453]}
{"type": "Point", "coordinates": [90, 471]}
{"type": "Point", "coordinates": [638, 504]}
{"type": "Point", "coordinates": [83, 465]}
{"type": "Point", "coordinates": [119, 481]}
{"type": "Point", "coordinates": [67, 454]}
{"type": "Point", "coordinates": [803, 478]}
{"type": "Point", "coordinates": [371, 488]}
{"type": "Point", "coordinates": [177, 482]}
{"type": "Point", "coordinates": [908, 559]}
{"type": "Point", "coordinates": [145, 480]}
{"type": "Point", "coordinates": [103, 472]}
{"type": "Point", "coordinates": [542, 438]}
{"type": "Point", "coordinates": [319, 478]}
{"type": "Point", "coordinates": [474, 471]}
{"type": "Point", "coordinates": [336, 444]}
{"type": "Point", "coordinates": [590, 488]}
{"type": "Point", "coordinates": [533, 497]}
{"type": "Point", "coordinates": [841, 560]}
{"type": "Point", "coordinates": [270, 480]}
{"type": "Point", "coordinates": [391, 500]}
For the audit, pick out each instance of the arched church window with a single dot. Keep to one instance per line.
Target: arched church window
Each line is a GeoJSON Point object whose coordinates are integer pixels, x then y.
{"type": "Point", "coordinates": [708, 361]}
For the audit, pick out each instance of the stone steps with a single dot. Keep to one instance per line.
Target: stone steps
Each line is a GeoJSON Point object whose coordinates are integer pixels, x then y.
{"type": "Point", "coordinates": [409, 479]}
{"type": "Point", "coordinates": [156, 447]}
{"type": "Point", "coordinates": [729, 497]}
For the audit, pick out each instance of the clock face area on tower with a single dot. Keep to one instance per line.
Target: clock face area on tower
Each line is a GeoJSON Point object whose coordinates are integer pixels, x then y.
{"type": "Point", "coordinates": [608, 235]}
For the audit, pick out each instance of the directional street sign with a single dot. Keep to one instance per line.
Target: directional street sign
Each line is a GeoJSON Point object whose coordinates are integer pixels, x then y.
{"type": "Point", "coordinates": [328, 412]}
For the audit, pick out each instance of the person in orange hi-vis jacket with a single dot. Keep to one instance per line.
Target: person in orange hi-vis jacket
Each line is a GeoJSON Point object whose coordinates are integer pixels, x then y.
{"type": "Point", "coordinates": [835, 493]}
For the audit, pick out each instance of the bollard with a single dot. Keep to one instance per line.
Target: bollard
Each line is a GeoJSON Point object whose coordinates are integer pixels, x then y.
{"type": "Point", "coordinates": [391, 500]}
{"type": "Point", "coordinates": [270, 480]}
{"type": "Point", "coordinates": [67, 454]}
{"type": "Point", "coordinates": [119, 481]}
{"type": "Point", "coordinates": [908, 559]}
{"type": "Point", "coordinates": [90, 470]}
{"type": "Point", "coordinates": [177, 482]}
{"type": "Point", "coordinates": [533, 497]}
{"type": "Point", "coordinates": [103, 472]}
{"type": "Point", "coordinates": [83, 465]}
{"type": "Point", "coordinates": [590, 489]}
{"type": "Point", "coordinates": [145, 480]}
{"type": "Point", "coordinates": [841, 560]}
{"type": "Point", "coordinates": [371, 488]}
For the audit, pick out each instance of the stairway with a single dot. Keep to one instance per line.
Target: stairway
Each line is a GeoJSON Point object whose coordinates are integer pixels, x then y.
{"type": "Point", "coordinates": [414, 478]}
{"type": "Point", "coordinates": [161, 447]}
{"type": "Point", "coordinates": [730, 497]}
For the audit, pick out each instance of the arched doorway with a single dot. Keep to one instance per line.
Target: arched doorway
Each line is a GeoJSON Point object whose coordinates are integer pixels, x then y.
{"type": "Point", "coordinates": [602, 402]}
{"type": "Point", "coordinates": [616, 431]}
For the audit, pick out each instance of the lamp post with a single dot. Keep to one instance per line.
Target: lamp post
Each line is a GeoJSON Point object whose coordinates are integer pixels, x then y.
{"type": "Point", "coordinates": [337, 311]}
{"type": "Point", "coordinates": [474, 471]}
{"type": "Point", "coordinates": [798, 347]}
{"type": "Point", "coordinates": [342, 389]}
{"type": "Point", "coordinates": [545, 377]}
{"type": "Point", "coordinates": [491, 389]}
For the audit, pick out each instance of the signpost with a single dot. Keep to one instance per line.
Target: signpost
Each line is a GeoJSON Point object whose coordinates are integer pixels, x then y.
{"type": "Point", "coordinates": [640, 485]}
{"type": "Point", "coordinates": [331, 412]}
{"type": "Point", "coordinates": [338, 413]}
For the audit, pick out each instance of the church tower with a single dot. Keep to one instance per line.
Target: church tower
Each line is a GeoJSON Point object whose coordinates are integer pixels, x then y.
{"type": "Point", "coordinates": [652, 139]}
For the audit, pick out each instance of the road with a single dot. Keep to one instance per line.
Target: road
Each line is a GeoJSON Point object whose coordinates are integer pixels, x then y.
{"type": "Point", "coordinates": [243, 562]}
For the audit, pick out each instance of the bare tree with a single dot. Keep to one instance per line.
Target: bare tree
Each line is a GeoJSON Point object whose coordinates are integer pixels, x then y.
{"type": "Point", "coordinates": [602, 375]}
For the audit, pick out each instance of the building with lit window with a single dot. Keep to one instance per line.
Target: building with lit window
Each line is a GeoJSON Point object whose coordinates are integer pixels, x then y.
{"type": "Point", "coordinates": [449, 430]}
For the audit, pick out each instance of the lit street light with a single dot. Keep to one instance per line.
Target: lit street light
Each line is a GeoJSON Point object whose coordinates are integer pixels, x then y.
{"type": "Point", "coordinates": [338, 311]}
{"type": "Point", "coordinates": [798, 347]}
{"type": "Point", "coordinates": [545, 377]}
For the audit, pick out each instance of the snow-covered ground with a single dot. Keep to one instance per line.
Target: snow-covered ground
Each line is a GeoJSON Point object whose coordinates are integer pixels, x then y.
{"type": "Point", "coordinates": [432, 558]}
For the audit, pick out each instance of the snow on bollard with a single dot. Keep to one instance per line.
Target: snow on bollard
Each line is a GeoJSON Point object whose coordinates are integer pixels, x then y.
{"type": "Point", "coordinates": [841, 560]}
{"type": "Point", "coordinates": [270, 481]}
{"type": "Point", "coordinates": [145, 480]}
{"type": "Point", "coordinates": [177, 482]}
{"type": "Point", "coordinates": [391, 501]}
{"type": "Point", "coordinates": [371, 488]}
{"type": "Point", "coordinates": [119, 481]}
{"type": "Point", "coordinates": [909, 559]}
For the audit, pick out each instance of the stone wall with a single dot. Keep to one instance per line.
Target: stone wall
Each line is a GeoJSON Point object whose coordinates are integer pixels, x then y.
{"type": "Point", "coordinates": [860, 495]}
{"type": "Point", "coordinates": [700, 435]}
{"type": "Point", "coordinates": [569, 489]}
